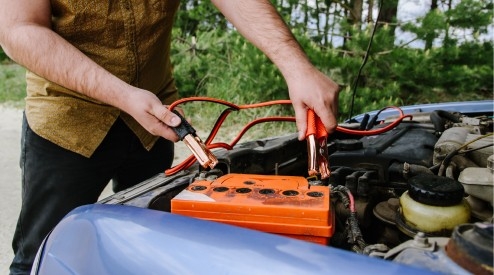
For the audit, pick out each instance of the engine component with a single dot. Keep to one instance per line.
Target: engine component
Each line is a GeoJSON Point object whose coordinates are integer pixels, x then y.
{"type": "Point", "coordinates": [450, 140]}
{"type": "Point", "coordinates": [409, 142]}
{"type": "Point", "coordinates": [434, 205]}
{"type": "Point", "coordinates": [426, 252]}
{"type": "Point", "coordinates": [471, 247]}
{"type": "Point", "coordinates": [479, 150]}
{"type": "Point", "coordinates": [285, 205]}
{"type": "Point", "coordinates": [479, 182]}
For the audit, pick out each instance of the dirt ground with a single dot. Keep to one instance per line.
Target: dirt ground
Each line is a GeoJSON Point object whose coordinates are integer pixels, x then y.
{"type": "Point", "coordinates": [10, 179]}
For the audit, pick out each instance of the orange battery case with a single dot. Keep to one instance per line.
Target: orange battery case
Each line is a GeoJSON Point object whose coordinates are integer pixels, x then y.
{"type": "Point", "coordinates": [284, 205]}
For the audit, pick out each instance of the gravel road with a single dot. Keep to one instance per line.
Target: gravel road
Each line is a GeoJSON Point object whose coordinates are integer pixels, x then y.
{"type": "Point", "coordinates": [10, 175]}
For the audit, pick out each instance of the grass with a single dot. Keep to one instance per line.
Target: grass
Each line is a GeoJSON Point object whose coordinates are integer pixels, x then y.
{"type": "Point", "coordinates": [12, 84]}
{"type": "Point", "coordinates": [203, 116]}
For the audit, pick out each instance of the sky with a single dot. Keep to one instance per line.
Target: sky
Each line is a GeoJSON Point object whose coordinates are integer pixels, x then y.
{"type": "Point", "coordinates": [410, 10]}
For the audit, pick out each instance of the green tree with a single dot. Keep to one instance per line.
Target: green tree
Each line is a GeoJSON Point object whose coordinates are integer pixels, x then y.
{"type": "Point", "coordinates": [196, 16]}
{"type": "Point", "coordinates": [220, 63]}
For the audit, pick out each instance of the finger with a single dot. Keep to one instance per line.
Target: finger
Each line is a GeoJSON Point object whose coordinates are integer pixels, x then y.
{"type": "Point", "coordinates": [328, 119]}
{"type": "Point", "coordinates": [178, 109]}
{"type": "Point", "coordinates": [328, 113]}
{"type": "Point", "coordinates": [167, 116]}
{"type": "Point", "coordinates": [301, 120]}
{"type": "Point", "coordinates": [334, 112]}
{"type": "Point", "coordinates": [169, 134]}
{"type": "Point", "coordinates": [182, 113]}
{"type": "Point", "coordinates": [158, 128]}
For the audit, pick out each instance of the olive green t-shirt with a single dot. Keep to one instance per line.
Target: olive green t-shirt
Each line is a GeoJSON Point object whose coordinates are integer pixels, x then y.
{"type": "Point", "coordinates": [130, 39]}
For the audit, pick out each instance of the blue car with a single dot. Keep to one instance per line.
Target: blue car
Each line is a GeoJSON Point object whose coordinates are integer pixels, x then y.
{"type": "Point", "coordinates": [409, 191]}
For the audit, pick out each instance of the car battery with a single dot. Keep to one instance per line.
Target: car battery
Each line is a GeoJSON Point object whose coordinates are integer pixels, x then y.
{"type": "Point", "coordinates": [285, 205]}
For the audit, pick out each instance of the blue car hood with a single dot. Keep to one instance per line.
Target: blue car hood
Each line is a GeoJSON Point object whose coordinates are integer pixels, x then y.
{"type": "Point", "coordinates": [116, 239]}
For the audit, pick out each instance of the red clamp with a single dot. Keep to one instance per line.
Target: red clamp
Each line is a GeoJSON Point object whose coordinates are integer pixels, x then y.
{"type": "Point", "coordinates": [317, 148]}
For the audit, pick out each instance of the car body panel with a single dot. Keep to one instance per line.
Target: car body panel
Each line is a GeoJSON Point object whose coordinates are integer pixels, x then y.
{"type": "Point", "coordinates": [116, 239]}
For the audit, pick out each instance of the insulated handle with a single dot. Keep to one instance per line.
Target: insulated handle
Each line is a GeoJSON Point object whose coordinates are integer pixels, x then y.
{"type": "Point", "coordinates": [315, 125]}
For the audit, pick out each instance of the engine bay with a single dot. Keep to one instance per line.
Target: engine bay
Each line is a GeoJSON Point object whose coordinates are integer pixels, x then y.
{"type": "Point", "coordinates": [420, 193]}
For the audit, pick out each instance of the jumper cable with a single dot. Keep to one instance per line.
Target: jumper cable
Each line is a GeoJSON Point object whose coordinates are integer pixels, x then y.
{"type": "Point", "coordinates": [208, 145]}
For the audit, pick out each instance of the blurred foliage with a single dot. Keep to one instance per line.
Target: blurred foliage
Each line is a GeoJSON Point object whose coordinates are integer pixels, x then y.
{"type": "Point", "coordinates": [3, 56]}
{"type": "Point", "coordinates": [12, 83]}
{"type": "Point", "coordinates": [224, 65]}
{"type": "Point", "coordinates": [211, 59]}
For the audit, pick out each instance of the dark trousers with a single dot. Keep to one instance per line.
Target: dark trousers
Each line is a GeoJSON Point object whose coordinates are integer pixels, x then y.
{"type": "Point", "coordinates": [55, 181]}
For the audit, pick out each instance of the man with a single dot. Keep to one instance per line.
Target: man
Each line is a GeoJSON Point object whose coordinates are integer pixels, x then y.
{"type": "Point", "coordinates": [98, 79]}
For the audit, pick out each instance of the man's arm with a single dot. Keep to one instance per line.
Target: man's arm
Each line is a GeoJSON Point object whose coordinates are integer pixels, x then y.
{"type": "Point", "coordinates": [260, 23]}
{"type": "Point", "coordinates": [26, 37]}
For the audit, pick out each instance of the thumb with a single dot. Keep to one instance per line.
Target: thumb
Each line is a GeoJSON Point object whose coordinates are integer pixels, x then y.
{"type": "Point", "coordinates": [168, 117]}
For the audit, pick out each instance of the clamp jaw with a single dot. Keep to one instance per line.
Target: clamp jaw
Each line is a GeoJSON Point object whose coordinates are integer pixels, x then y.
{"type": "Point", "coordinates": [317, 148]}
{"type": "Point", "coordinates": [188, 135]}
